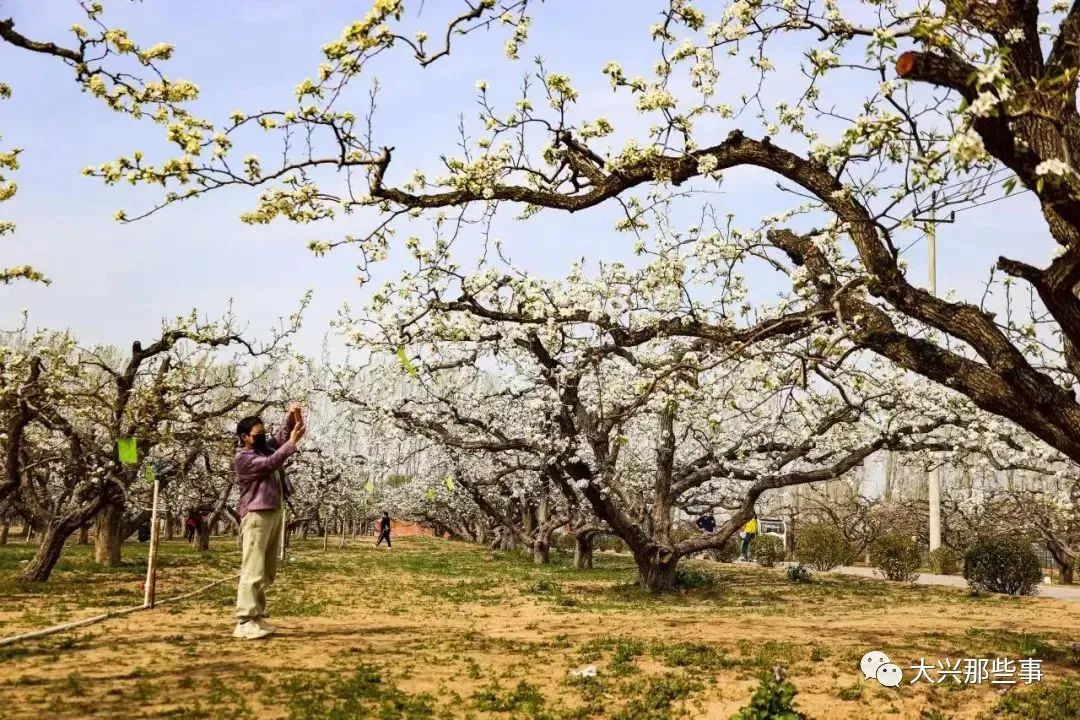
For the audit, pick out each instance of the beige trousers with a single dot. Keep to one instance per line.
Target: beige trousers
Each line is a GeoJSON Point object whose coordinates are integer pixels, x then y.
{"type": "Point", "coordinates": [260, 545]}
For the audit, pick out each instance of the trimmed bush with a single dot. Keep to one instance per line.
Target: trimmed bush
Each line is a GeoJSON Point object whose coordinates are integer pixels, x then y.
{"type": "Point", "coordinates": [822, 547]}
{"type": "Point", "coordinates": [729, 552]}
{"type": "Point", "coordinates": [767, 550]}
{"type": "Point", "coordinates": [944, 561]}
{"type": "Point", "coordinates": [799, 574]}
{"type": "Point", "coordinates": [1003, 565]}
{"type": "Point", "coordinates": [896, 556]}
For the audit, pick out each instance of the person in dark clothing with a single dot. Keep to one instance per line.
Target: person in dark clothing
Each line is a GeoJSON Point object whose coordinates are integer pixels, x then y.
{"type": "Point", "coordinates": [706, 523]}
{"type": "Point", "coordinates": [384, 531]}
{"type": "Point", "coordinates": [189, 527]}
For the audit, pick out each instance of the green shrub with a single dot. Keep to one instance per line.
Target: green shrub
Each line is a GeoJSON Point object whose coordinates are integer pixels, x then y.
{"type": "Point", "coordinates": [772, 700]}
{"type": "Point", "coordinates": [944, 561]}
{"type": "Point", "coordinates": [799, 573]}
{"type": "Point", "coordinates": [692, 579]}
{"type": "Point", "coordinates": [822, 547]}
{"type": "Point", "coordinates": [767, 550]}
{"type": "Point", "coordinates": [1003, 565]}
{"type": "Point", "coordinates": [896, 556]}
{"type": "Point", "coordinates": [1042, 702]}
{"type": "Point", "coordinates": [729, 552]}
{"type": "Point", "coordinates": [543, 586]}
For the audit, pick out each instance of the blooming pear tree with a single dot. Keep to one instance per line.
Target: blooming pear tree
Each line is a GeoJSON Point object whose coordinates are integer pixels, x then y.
{"type": "Point", "coordinates": [67, 407]}
{"type": "Point", "coordinates": [109, 65]}
{"type": "Point", "coordinates": [951, 106]}
{"type": "Point", "coordinates": [581, 379]}
{"type": "Point", "coordinates": [9, 160]}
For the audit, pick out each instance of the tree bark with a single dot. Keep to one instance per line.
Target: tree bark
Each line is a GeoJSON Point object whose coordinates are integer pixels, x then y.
{"type": "Point", "coordinates": [583, 552]}
{"type": "Point", "coordinates": [541, 551]}
{"type": "Point", "coordinates": [110, 525]}
{"type": "Point", "coordinates": [51, 543]}
{"type": "Point", "coordinates": [48, 553]}
{"type": "Point", "coordinates": [201, 541]}
{"type": "Point", "coordinates": [656, 572]}
{"type": "Point", "coordinates": [1064, 562]}
{"type": "Point", "coordinates": [4, 529]}
{"type": "Point", "coordinates": [84, 535]}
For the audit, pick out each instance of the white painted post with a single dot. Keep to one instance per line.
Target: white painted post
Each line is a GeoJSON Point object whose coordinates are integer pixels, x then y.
{"type": "Point", "coordinates": [155, 534]}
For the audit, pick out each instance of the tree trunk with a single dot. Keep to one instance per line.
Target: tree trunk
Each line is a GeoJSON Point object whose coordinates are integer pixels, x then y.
{"type": "Point", "coordinates": [890, 472]}
{"type": "Point", "coordinates": [583, 552]}
{"type": "Point", "coordinates": [110, 525]}
{"type": "Point", "coordinates": [47, 555]}
{"type": "Point", "coordinates": [201, 541]}
{"type": "Point", "coordinates": [655, 573]}
{"type": "Point", "coordinates": [168, 526]}
{"type": "Point", "coordinates": [84, 535]}
{"type": "Point", "coordinates": [4, 533]}
{"type": "Point", "coordinates": [541, 552]}
{"type": "Point", "coordinates": [1064, 563]}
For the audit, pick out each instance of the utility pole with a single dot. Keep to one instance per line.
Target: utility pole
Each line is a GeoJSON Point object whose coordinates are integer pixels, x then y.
{"type": "Point", "coordinates": [934, 481]}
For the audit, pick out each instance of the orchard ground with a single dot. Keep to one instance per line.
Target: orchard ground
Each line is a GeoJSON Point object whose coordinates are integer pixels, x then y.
{"type": "Point", "coordinates": [436, 629]}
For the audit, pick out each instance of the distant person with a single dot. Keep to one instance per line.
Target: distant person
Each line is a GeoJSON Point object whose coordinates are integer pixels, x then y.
{"type": "Point", "coordinates": [749, 532]}
{"type": "Point", "coordinates": [706, 523]}
{"type": "Point", "coordinates": [189, 527]}
{"type": "Point", "coordinates": [384, 531]}
{"type": "Point", "coordinates": [261, 482]}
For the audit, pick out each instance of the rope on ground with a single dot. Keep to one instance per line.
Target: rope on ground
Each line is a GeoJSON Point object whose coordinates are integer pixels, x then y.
{"type": "Point", "coordinates": [110, 614]}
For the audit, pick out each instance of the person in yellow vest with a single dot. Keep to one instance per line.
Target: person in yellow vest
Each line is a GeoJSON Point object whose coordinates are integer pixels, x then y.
{"type": "Point", "coordinates": [749, 531]}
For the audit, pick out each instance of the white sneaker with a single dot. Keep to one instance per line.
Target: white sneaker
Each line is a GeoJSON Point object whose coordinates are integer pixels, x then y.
{"type": "Point", "coordinates": [261, 622]}
{"type": "Point", "coordinates": [250, 630]}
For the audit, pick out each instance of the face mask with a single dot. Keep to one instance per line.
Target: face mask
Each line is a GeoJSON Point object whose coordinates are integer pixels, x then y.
{"type": "Point", "coordinates": [259, 442]}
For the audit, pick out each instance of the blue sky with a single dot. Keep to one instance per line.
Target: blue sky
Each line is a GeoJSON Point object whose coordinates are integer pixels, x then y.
{"type": "Point", "coordinates": [113, 283]}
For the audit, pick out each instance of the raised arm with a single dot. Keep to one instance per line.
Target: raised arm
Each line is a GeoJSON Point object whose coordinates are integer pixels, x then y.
{"type": "Point", "coordinates": [286, 427]}
{"type": "Point", "coordinates": [251, 463]}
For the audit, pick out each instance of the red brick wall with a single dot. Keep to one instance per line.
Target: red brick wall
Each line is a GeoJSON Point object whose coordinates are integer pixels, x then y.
{"type": "Point", "coordinates": [400, 528]}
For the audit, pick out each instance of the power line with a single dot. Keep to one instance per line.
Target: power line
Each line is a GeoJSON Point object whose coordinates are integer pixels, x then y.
{"type": "Point", "coordinates": [965, 209]}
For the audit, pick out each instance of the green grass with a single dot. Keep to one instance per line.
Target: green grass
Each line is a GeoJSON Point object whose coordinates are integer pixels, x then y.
{"type": "Point", "coordinates": [506, 661]}
{"type": "Point", "coordinates": [361, 694]}
{"type": "Point", "coordinates": [1058, 701]}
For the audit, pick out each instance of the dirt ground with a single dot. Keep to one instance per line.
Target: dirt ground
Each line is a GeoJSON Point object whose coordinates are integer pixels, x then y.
{"type": "Point", "coordinates": [438, 629]}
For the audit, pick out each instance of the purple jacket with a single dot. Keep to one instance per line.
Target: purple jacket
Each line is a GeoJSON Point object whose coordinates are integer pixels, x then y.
{"type": "Point", "coordinates": [260, 477]}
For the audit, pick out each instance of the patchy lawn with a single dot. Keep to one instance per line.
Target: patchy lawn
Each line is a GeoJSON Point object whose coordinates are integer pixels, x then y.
{"type": "Point", "coordinates": [434, 629]}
